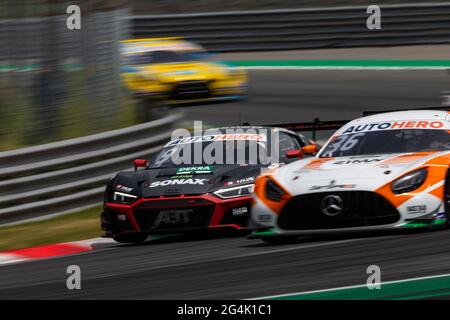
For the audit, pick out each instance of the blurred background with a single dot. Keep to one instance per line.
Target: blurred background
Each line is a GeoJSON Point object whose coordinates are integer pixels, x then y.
{"type": "Point", "coordinates": [196, 6]}
{"type": "Point", "coordinates": [77, 106]}
{"type": "Point", "coordinates": [57, 83]}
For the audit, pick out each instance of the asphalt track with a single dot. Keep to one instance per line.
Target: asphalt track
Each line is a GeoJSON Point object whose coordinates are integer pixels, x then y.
{"type": "Point", "coordinates": [235, 268]}
{"type": "Point", "coordinates": [280, 96]}
{"type": "Point", "coordinates": [229, 268]}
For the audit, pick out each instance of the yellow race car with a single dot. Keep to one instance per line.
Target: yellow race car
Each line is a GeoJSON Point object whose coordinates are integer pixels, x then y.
{"type": "Point", "coordinates": [176, 71]}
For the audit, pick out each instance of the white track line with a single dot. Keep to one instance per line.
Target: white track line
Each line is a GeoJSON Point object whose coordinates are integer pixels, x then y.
{"type": "Point", "coordinates": [314, 245]}
{"type": "Point", "coordinates": [349, 287]}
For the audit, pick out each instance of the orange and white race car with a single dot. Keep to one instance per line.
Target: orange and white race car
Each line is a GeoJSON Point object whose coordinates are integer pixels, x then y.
{"type": "Point", "coordinates": [384, 171]}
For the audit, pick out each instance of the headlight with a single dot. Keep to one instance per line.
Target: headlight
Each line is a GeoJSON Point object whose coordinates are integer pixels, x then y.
{"type": "Point", "coordinates": [273, 191]}
{"type": "Point", "coordinates": [235, 192]}
{"type": "Point", "coordinates": [235, 73]}
{"type": "Point", "coordinates": [125, 198]}
{"type": "Point", "coordinates": [145, 77]}
{"type": "Point", "coordinates": [410, 181]}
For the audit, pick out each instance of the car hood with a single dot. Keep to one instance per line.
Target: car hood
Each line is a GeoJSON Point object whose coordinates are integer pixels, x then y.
{"type": "Point", "coordinates": [186, 71]}
{"type": "Point", "coordinates": [346, 173]}
{"type": "Point", "coordinates": [190, 180]}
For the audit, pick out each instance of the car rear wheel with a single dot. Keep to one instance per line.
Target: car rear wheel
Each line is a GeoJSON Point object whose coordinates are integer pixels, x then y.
{"type": "Point", "coordinates": [447, 199]}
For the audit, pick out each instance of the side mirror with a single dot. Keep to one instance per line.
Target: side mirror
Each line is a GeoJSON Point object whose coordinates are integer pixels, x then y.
{"type": "Point", "coordinates": [294, 154]}
{"type": "Point", "coordinates": [299, 153]}
{"type": "Point", "coordinates": [140, 163]}
{"type": "Point", "coordinates": [309, 149]}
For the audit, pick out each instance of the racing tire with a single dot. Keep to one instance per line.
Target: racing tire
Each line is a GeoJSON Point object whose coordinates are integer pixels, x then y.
{"type": "Point", "coordinates": [130, 238]}
{"type": "Point", "coordinates": [280, 240]}
{"type": "Point", "coordinates": [447, 199]}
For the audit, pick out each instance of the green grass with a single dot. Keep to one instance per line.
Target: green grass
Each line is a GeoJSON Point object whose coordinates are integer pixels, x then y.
{"type": "Point", "coordinates": [72, 227]}
{"type": "Point", "coordinates": [410, 289]}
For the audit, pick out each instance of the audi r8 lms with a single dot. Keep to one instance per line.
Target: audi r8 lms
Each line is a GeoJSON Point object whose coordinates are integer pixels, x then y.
{"type": "Point", "coordinates": [177, 71]}
{"type": "Point", "coordinates": [199, 182]}
{"type": "Point", "coordinates": [385, 171]}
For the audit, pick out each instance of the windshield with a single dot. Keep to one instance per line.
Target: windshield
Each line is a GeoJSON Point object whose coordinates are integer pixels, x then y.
{"type": "Point", "coordinates": [163, 57]}
{"type": "Point", "coordinates": [387, 141]}
{"type": "Point", "coordinates": [216, 152]}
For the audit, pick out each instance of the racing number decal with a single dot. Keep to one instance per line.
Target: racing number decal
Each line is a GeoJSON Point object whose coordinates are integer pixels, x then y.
{"type": "Point", "coordinates": [163, 158]}
{"type": "Point", "coordinates": [342, 143]}
{"type": "Point", "coordinates": [351, 142]}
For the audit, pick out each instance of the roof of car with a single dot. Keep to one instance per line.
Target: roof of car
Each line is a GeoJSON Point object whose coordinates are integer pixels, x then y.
{"type": "Point", "coordinates": [135, 46]}
{"type": "Point", "coordinates": [408, 115]}
{"type": "Point", "coordinates": [266, 127]}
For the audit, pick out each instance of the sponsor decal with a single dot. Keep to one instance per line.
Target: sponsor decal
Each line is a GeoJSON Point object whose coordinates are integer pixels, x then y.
{"type": "Point", "coordinates": [240, 181]}
{"type": "Point", "coordinates": [120, 187]}
{"type": "Point", "coordinates": [395, 125]}
{"type": "Point", "coordinates": [172, 192]}
{"type": "Point", "coordinates": [333, 185]}
{"type": "Point", "coordinates": [264, 218]}
{"type": "Point", "coordinates": [239, 211]}
{"type": "Point", "coordinates": [358, 161]}
{"type": "Point", "coordinates": [200, 169]}
{"type": "Point", "coordinates": [416, 209]}
{"type": "Point", "coordinates": [182, 176]}
{"type": "Point", "coordinates": [122, 217]}
{"type": "Point", "coordinates": [177, 216]}
{"type": "Point", "coordinates": [178, 182]}
{"type": "Point", "coordinates": [233, 145]}
{"type": "Point", "coordinates": [219, 137]}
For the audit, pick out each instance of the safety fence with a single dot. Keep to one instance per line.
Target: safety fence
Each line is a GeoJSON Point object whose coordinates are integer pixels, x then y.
{"type": "Point", "coordinates": [56, 82]}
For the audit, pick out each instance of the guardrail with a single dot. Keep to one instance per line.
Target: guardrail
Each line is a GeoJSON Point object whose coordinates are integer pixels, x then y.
{"type": "Point", "coordinates": [445, 98]}
{"type": "Point", "coordinates": [303, 28]}
{"type": "Point", "coordinates": [69, 175]}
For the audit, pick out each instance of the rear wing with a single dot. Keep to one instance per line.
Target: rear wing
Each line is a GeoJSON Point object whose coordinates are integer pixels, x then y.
{"type": "Point", "coordinates": [313, 127]}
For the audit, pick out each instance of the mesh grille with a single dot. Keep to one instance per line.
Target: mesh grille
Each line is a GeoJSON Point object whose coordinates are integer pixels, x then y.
{"type": "Point", "coordinates": [173, 218]}
{"type": "Point", "coordinates": [360, 208]}
{"type": "Point", "coordinates": [191, 90]}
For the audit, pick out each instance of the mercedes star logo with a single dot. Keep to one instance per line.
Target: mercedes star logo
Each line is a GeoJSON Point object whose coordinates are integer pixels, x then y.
{"type": "Point", "coordinates": [332, 205]}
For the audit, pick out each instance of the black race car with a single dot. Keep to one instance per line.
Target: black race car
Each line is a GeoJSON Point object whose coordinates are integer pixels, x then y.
{"type": "Point", "coordinates": [200, 182]}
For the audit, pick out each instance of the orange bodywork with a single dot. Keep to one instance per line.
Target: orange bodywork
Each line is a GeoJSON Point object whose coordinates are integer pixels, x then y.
{"type": "Point", "coordinates": [437, 171]}
{"type": "Point", "coordinates": [260, 186]}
